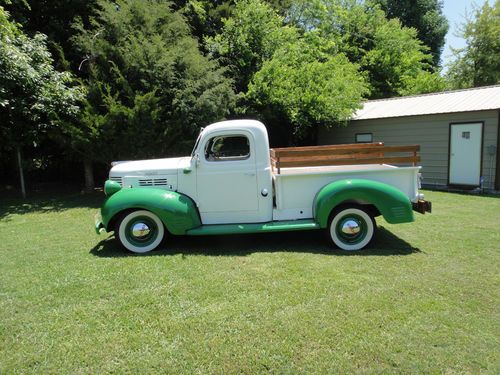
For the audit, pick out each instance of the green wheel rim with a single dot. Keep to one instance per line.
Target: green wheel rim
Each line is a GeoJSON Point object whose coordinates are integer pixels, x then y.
{"type": "Point", "coordinates": [147, 236]}
{"type": "Point", "coordinates": [351, 238]}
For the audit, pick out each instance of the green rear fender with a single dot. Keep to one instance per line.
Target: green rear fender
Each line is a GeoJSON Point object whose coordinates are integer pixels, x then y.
{"type": "Point", "coordinates": [392, 203]}
{"type": "Point", "coordinates": [177, 211]}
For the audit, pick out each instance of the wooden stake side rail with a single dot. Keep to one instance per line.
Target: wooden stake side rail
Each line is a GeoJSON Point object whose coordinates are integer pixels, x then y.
{"type": "Point", "coordinates": [348, 154]}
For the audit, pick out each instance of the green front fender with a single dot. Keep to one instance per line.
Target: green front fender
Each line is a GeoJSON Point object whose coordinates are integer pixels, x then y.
{"type": "Point", "coordinates": [177, 211]}
{"type": "Point", "coordinates": [392, 203]}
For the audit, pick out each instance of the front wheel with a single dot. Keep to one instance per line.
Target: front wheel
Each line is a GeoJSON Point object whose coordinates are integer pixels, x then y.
{"type": "Point", "coordinates": [140, 231]}
{"type": "Point", "coordinates": [351, 228]}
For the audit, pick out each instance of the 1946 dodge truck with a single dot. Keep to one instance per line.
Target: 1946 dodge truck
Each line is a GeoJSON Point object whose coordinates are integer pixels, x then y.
{"type": "Point", "coordinates": [233, 183]}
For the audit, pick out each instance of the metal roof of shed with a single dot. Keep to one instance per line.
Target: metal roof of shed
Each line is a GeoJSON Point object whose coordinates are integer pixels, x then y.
{"type": "Point", "coordinates": [476, 99]}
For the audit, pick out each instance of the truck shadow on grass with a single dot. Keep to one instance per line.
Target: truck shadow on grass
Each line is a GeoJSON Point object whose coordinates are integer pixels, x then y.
{"type": "Point", "coordinates": [385, 243]}
{"type": "Point", "coordinates": [46, 203]}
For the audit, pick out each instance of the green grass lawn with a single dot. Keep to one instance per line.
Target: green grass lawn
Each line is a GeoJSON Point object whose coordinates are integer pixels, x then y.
{"type": "Point", "coordinates": [424, 298]}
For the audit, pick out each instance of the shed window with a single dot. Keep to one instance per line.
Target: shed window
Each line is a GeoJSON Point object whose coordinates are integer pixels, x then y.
{"type": "Point", "coordinates": [364, 137]}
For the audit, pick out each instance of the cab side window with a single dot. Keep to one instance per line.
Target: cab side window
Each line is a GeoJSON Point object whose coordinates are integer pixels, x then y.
{"type": "Point", "coordinates": [227, 147]}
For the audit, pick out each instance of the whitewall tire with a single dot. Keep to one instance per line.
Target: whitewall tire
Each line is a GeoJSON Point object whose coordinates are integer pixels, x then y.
{"type": "Point", "coordinates": [351, 228]}
{"type": "Point", "coordinates": [140, 231]}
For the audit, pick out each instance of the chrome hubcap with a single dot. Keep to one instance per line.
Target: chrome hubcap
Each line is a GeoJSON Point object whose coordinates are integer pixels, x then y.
{"type": "Point", "coordinates": [140, 230]}
{"type": "Point", "coordinates": [350, 227]}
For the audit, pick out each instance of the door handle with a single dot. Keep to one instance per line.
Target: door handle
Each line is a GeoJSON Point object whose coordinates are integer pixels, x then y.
{"type": "Point", "coordinates": [249, 174]}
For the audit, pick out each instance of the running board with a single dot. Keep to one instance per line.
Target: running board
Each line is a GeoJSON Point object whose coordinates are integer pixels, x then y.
{"type": "Point", "coordinates": [273, 226]}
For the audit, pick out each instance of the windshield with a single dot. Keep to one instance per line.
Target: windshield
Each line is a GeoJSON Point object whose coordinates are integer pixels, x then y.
{"type": "Point", "coordinates": [197, 141]}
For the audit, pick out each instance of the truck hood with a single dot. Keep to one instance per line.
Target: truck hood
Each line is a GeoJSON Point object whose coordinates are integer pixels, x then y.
{"type": "Point", "coordinates": [150, 167]}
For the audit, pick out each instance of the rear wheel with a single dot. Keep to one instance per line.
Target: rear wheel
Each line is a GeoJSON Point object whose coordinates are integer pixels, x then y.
{"type": "Point", "coordinates": [351, 228]}
{"type": "Point", "coordinates": [140, 231]}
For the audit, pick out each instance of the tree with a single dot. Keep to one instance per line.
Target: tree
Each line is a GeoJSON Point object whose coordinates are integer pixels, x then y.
{"type": "Point", "coordinates": [204, 16]}
{"type": "Point", "coordinates": [311, 86]}
{"type": "Point", "coordinates": [392, 57]}
{"type": "Point", "coordinates": [53, 18]}
{"type": "Point", "coordinates": [295, 81]}
{"type": "Point", "coordinates": [478, 63]}
{"type": "Point", "coordinates": [35, 99]}
{"type": "Point", "coordinates": [248, 38]}
{"type": "Point", "coordinates": [425, 16]}
{"type": "Point", "coordinates": [149, 87]}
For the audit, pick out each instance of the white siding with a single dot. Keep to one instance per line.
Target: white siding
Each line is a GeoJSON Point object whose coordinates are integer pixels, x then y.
{"type": "Point", "coordinates": [431, 132]}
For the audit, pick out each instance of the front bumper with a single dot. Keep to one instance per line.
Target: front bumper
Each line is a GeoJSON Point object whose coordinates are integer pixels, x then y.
{"type": "Point", "coordinates": [422, 206]}
{"type": "Point", "coordinates": [99, 226]}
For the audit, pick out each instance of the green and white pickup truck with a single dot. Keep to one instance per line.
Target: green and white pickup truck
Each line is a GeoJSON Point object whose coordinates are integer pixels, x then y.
{"type": "Point", "coordinates": [232, 183]}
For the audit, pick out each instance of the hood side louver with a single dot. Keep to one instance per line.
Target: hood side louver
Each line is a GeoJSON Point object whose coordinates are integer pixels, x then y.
{"type": "Point", "coordinates": [153, 182]}
{"type": "Point", "coordinates": [117, 179]}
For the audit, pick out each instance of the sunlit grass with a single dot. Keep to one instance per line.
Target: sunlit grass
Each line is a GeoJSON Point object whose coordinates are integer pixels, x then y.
{"type": "Point", "coordinates": [422, 298]}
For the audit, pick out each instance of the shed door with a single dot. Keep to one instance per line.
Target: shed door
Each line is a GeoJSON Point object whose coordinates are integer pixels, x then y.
{"type": "Point", "coordinates": [465, 153]}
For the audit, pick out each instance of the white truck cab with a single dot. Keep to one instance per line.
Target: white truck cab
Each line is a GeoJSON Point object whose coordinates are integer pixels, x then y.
{"type": "Point", "coordinates": [232, 173]}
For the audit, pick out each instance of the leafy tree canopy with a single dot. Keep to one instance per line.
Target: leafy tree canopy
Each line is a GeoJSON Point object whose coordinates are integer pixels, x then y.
{"type": "Point", "coordinates": [34, 97]}
{"type": "Point", "coordinates": [288, 76]}
{"type": "Point", "coordinates": [150, 87]}
{"type": "Point", "coordinates": [393, 58]}
{"type": "Point", "coordinates": [204, 16]}
{"type": "Point", "coordinates": [53, 18]}
{"type": "Point", "coordinates": [309, 85]}
{"type": "Point", "coordinates": [248, 38]}
{"type": "Point", "coordinates": [426, 16]}
{"type": "Point", "coordinates": [478, 63]}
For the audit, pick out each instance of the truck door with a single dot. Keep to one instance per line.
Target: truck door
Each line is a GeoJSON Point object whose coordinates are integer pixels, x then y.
{"type": "Point", "coordinates": [227, 179]}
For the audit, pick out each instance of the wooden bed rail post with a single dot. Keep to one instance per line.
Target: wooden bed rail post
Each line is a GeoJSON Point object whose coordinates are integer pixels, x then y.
{"type": "Point", "coordinates": [278, 163]}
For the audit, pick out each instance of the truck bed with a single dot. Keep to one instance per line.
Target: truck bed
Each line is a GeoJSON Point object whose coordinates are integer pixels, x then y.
{"type": "Point", "coordinates": [299, 173]}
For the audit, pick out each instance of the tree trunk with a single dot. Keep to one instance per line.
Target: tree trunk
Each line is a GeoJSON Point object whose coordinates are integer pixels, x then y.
{"type": "Point", "coordinates": [89, 175]}
{"type": "Point", "coordinates": [21, 172]}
